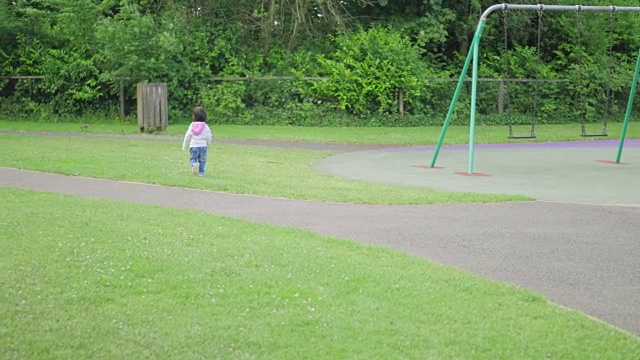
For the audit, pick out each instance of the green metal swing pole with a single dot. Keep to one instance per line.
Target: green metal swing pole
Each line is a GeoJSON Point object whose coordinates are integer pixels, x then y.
{"type": "Point", "coordinates": [454, 101]}
{"type": "Point", "coordinates": [627, 116]}
{"type": "Point", "coordinates": [474, 94]}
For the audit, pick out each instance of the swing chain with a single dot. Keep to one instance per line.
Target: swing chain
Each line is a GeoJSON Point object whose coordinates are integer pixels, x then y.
{"type": "Point", "coordinates": [538, 72]}
{"type": "Point", "coordinates": [507, 66]}
{"type": "Point", "coordinates": [583, 107]}
{"type": "Point", "coordinates": [609, 92]}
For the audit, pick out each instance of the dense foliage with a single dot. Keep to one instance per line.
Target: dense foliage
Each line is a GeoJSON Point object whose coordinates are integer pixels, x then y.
{"type": "Point", "coordinates": [370, 61]}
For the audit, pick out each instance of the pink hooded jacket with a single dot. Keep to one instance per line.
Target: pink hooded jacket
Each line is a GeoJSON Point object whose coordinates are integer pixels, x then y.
{"type": "Point", "coordinates": [198, 135]}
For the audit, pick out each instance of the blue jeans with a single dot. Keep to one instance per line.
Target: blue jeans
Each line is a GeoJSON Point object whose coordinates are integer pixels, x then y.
{"type": "Point", "coordinates": [199, 155]}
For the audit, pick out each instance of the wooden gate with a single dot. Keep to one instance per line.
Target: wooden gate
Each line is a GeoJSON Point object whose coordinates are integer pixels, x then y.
{"type": "Point", "coordinates": [152, 107]}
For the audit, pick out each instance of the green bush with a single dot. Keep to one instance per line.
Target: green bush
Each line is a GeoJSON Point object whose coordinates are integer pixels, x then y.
{"type": "Point", "coordinates": [367, 69]}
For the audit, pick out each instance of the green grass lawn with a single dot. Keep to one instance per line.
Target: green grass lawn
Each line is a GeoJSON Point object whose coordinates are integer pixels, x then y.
{"type": "Point", "coordinates": [231, 168]}
{"type": "Point", "coordinates": [400, 136]}
{"type": "Point", "coordinates": [250, 170]}
{"type": "Point", "coordinates": [97, 279]}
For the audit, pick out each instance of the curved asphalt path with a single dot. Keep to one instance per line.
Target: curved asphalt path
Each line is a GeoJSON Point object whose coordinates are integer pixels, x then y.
{"type": "Point", "coordinates": [585, 257]}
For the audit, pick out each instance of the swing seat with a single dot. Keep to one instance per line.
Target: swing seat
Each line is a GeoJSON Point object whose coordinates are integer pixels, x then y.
{"type": "Point", "coordinates": [593, 135]}
{"type": "Point", "coordinates": [532, 133]}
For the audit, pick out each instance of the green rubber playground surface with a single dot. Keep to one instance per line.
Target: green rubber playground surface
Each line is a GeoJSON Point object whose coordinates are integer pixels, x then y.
{"type": "Point", "coordinates": [561, 171]}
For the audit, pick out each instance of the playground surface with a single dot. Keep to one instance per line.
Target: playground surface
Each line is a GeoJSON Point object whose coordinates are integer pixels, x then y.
{"type": "Point", "coordinates": [561, 171]}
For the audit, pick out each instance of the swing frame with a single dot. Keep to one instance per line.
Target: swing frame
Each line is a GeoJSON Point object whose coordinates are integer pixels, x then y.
{"type": "Point", "coordinates": [473, 55]}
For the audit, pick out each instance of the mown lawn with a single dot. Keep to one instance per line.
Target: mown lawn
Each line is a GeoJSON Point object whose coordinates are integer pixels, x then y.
{"type": "Point", "coordinates": [98, 279]}
{"type": "Point", "coordinates": [231, 168]}
{"type": "Point", "coordinates": [427, 135]}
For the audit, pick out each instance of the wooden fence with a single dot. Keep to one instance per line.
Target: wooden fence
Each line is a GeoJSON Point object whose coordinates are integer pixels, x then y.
{"type": "Point", "coordinates": [501, 84]}
{"type": "Point", "coordinates": [163, 105]}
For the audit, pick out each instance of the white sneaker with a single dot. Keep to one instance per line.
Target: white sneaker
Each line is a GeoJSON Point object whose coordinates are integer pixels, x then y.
{"type": "Point", "coordinates": [194, 169]}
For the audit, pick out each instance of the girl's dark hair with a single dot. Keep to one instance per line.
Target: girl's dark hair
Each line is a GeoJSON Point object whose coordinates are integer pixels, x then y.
{"type": "Point", "coordinates": [199, 114]}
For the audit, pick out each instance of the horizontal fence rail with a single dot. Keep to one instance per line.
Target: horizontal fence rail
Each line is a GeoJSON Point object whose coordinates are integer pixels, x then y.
{"type": "Point", "coordinates": [259, 78]}
{"type": "Point", "coordinates": [22, 77]}
{"type": "Point", "coordinates": [501, 84]}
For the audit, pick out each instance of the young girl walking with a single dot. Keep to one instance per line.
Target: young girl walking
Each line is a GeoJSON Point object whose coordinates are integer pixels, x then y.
{"type": "Point", "coordinates": [198, 137]}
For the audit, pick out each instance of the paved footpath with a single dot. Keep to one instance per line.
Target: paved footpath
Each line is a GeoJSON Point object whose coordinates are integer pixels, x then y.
{"type": "Point", "coordinates": [585, 257]}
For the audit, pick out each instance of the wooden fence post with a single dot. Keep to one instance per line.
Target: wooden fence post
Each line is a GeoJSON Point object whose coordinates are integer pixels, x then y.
{"type": "Point", "coordinates": [152, 107]}
{"type": "Point", "coordinates": [401, 101]}
{"type": "Point", "coordinates": [121, 99]}
{"type": "Point", "coordinates": [500, 96]}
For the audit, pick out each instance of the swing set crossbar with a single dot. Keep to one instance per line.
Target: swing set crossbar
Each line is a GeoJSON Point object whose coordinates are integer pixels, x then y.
{"type": "Point", "coordinates": [473, 55]}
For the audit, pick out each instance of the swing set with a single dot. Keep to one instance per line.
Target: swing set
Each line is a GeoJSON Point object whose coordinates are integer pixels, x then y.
{"type": "Point", "coordinates": [537, 80]}
{"type": "Point", "coordinates": [609, 90]}
{"type": "Point", "coordinates": [473, 55]}
{"type": "Point", "coordinates": [505, 21]}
